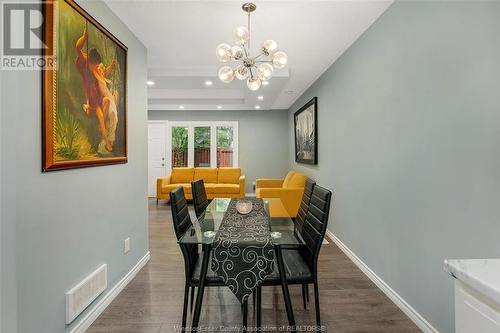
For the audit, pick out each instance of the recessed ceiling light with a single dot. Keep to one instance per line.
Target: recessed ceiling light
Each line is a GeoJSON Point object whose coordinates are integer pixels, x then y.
{"type": "Point", "coordinates": [265, 83]}
{"type": "Point", "coordinates": [208, 83]}
{"type": "Point", "coordinates": [181, 107]}
{"type": "Point", "coordinates": [219, 107]}
{"type": "Point", "coordinates": [260, 98]}
{"type": "Point", "coordinates": [150, 83]}
{"type": "Point", "coordinates": [257, 107]}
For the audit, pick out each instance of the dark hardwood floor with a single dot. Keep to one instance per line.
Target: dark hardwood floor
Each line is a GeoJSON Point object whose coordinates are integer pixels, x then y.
{"type": "Point", "coordinates": [152, 302]}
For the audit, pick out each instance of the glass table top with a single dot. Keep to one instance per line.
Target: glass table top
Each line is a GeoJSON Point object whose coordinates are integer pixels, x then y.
{"type": "Point", "coordinates": [281, 225]}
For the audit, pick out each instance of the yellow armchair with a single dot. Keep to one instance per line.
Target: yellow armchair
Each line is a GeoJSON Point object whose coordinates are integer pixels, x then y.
{"type": "Point", "coordinates": [160, 183]}
{"type": "Point", "coordinates": [241, 181]}
{"type": "Point", "coordinates": [289, 190]}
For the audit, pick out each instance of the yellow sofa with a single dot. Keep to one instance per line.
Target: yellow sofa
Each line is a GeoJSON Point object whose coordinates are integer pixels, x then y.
{"type": "Point", "coordinates": [289, 189]}
{"type": "Point", "coordinates": [219, 182]}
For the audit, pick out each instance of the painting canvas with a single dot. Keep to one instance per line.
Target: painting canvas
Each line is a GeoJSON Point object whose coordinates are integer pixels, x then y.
{"type": "Point", "coordinates": [306, 133]}
{"type": "Point", "coordinates": [85, 95]}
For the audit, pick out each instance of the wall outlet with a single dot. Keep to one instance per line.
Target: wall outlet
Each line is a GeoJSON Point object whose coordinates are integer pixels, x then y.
{"type": "Point", "coordinates": [126, 245]}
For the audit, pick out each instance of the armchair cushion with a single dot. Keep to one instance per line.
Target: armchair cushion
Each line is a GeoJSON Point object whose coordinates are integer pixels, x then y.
{"type": "Point", "coordinates": [210, 188]}
{"type": "Point", "coordinates": [290, 197]}
{"type": "Point", "coordinates": [182, 175]}
{"type": "Point", "coordinates": [297, 180]}
{"type": "Point", "coordinates": [268, 182]}
{"type": "Point", "coordinates": [166, 189]}
{"type": "Point", "coordinates": [288, 178]}
{"type": "Point", "coordinates": [209, 175]}
{"type": "Point", "coordinates": [227, 188]}
{"type": "Point", "coordinates": [229, 175]}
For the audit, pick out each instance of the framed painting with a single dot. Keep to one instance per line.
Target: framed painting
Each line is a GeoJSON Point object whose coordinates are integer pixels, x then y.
{"type": "Point", "coordinates": [85, 95]}
{"type": "Point", "coordinates": [306, 133]}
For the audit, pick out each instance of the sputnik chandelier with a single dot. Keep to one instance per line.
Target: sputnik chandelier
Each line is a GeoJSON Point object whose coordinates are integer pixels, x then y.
{"type": "Point", "coordinates": [253, 69]}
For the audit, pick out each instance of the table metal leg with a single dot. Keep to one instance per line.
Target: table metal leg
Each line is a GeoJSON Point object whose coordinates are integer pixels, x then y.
{"type": "Point", "coordinates": [258, 307]}
{"type": "Point", "coordinates": [201, 287]}
{"type": "Point", "coordinates": [284, 286]}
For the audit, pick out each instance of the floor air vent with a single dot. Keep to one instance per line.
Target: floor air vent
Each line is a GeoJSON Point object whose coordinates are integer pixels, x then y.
{"type": "Point", "coordinates": [81, 295]}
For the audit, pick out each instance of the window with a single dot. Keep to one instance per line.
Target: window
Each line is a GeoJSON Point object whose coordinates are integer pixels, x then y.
{"type": "Point", "coordinates": [225, 148]}
{"type": "Point", "coordinates": [179, 147]}
{"type": "Point", "coordinates": [203, 144]}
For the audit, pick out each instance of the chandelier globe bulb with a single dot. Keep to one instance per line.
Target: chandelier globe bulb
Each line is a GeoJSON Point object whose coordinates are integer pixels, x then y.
{"type": "Point", "coordinates": [241, 73]}
{"type": "Point", "coordinates": [226, 74]}
{"type": "Point", "coordinates": [241, 35]}
{"type": "Point", "coordinates": [254, 83]}
{"type": "Point", "coordinates": [237, 52]}
{"type": "Point", "coordinates": [269, 47]}
{"type": "Point", "coordinates": [280, 59]}
{"type": "Point", "coordinates": [265, 71]}
{"type": "Point", "coordinates": [223, 52]}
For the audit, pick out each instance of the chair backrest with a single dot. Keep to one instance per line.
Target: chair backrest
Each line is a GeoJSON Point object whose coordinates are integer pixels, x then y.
{"type": "Point", "coordinates": [304, 204]}
{"type": "Point", "coordinates": [314, 228]}
{"type": "Point", "coordinates": [182, 222]}
{"type": "Point", "coordinates": [200, 200]}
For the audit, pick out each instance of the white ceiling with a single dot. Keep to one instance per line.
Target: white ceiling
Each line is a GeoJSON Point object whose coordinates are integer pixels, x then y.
{"type": "Point", "coordinates": [181, 37]}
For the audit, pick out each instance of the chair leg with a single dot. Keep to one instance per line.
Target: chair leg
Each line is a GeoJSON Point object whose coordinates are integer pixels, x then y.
{"type": "Point", "coordinates": [304, 292]}
{"type": "Point", "coordinates": [244, 308]}
{"type": "Point", "coordinates": [316, 301]}
{"type": "Point", "coordinates": [253, 302]}
{"type": "Point", "coordinates": [259, 308]}
{"type": "Point", "coordinates": [184, 308]}
{"type": "Point", "coordinates": [307, 292]}
{"type": "Point", "coordinates": [192, 298]}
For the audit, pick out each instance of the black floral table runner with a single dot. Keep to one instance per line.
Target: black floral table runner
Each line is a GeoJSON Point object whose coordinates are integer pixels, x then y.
{"type": "Point", "coordinates": [243, 253]}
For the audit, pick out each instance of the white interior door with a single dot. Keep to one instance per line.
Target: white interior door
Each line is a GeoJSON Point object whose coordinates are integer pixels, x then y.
{"type": "Point", "coordinates": [157, 153]}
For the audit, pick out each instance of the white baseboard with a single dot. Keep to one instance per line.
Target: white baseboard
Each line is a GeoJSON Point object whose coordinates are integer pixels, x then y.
{"type": "Point", "coordinates": [420, 321]}
{"type": "Point", "coordinates": [103, 303]}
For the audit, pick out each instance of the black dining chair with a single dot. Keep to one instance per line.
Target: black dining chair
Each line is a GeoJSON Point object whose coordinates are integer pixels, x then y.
{"type": "Point", "coordinates": [301, 264]}
{"type": "Point", "coordinates": [299, 222]}
{"type": "Point", "coordinates": [304, 203]}
{"type": "Point", "coordinates": [192, 258]}
{"type": "Point", "coordinates": [200, 200]}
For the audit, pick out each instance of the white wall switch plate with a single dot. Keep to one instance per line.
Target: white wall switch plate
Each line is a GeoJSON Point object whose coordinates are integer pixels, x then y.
{"type": "Point", "coordinates": [126, 245]}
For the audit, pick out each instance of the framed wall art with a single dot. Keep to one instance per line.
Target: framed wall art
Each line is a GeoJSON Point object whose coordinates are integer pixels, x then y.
{"type": "Point", "coordinates": [85, 94]}
{"type": "Point", "coordinates": [306, 133]}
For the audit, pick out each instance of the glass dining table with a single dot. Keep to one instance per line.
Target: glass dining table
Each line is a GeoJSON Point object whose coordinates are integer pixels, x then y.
{"type": "Point", "coordinates": [284, 234]}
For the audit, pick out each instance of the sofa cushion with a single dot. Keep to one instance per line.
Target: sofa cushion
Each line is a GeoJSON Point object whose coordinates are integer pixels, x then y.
{"type": "Point", "coordinates": [209, 175]}
{"type": "Point", "coordinates": [229, 175]}
{"type": "Point", "coordinates": [298, 180]}
{"type": "Point", "coordinates": [170, 187]}
{"type": "Point", "coordinates": [227, 188]}
{"type": "Point", "coordinates": [182, 175]}
{"type": "Point", "coordinates": [288, 178]}
{"type": "Point", "coordinates": [210, 188]}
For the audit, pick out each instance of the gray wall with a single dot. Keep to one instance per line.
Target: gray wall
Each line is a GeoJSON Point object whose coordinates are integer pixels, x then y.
{"type": "Point", "coordinates": [263, 138]}
{"type": "Point", "coordinates": [65, 224]}
{"type": "Point", "coordinates": [409, 137]}
{"type": "Point", "coordinates": [8, 289]}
